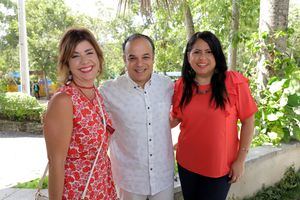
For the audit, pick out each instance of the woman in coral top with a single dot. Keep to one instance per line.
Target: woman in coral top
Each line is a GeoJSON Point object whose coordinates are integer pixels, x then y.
{"type": "Point", "coordinates": [208, 102]}
{"type": "Point", "coordinates": [76, 124]}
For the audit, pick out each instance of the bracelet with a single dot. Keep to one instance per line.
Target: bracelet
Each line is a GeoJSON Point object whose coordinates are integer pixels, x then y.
{"type": "Point", "coordinates": [244, 149]}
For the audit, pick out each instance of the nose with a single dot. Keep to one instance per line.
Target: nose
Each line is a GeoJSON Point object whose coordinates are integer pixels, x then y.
{"type": "Point", "coordinates": [202, 55]}
{"type": "Point", "coordinates": [139, 62]}
{"type": "Point", "coordinates": [83, 59]}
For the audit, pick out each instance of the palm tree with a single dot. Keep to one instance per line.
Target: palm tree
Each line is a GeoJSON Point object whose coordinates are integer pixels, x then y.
{"type": "Point", "coordinates": [145, 8]}
{"type": "Point", "coordinates": [232, 51]}
{"type": "Point", "coordinates": [273, 17]}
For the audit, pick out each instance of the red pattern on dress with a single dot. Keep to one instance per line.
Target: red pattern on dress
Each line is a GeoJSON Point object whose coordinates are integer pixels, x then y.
{"type": "Point", "coordinates": [86, 138]}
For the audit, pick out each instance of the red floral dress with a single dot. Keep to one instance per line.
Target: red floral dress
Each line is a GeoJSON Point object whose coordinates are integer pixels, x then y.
{"type": "Point", "coordinates": [88, 133]}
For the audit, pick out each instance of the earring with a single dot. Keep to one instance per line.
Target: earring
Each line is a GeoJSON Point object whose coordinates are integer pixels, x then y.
{"type": "Point", "coordinates": [70, 78]}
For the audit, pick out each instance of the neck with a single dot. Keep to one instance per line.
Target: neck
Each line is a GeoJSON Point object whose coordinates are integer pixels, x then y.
{"type": "Point", "coordinates": [203, 80]}
{"type": "Point", "coordinates": [83, 86]}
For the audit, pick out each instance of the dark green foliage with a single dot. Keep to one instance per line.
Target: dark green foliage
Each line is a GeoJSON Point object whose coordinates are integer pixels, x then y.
{"type": "Point", "coordinates": [287, 189]}
{"type": "Point", "coordinates": [18, 106]}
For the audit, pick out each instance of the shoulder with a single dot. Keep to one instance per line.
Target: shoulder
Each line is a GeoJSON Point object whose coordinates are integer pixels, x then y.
{"type": "Point", "coordinates": [59, 107]}
{"type": "Point", "coordinates": [60, 100]}
{"type": "Point", "coordinates": [234, 77]}
{"type": "Point", "coordinates": [113, 82]}
{"type": "Point", "coordinates": [179, 83]}
{"type": "Point", "coordinates": [162, 78]}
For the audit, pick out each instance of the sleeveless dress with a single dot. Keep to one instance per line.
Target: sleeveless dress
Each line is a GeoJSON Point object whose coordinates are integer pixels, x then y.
{"type": "Point", "coordinates": [87, 135]}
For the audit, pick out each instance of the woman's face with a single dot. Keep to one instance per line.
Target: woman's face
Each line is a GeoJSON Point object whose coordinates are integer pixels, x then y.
{"type": "Point", "coordinates": [202, 60]}
{"type": "Point", "coordinates": [84, 64]}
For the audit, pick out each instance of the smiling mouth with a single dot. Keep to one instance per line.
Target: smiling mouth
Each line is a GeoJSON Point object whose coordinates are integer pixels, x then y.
{"type": "Point", "coordinates": [202, 65]}
{"type": "Point", "coordinates": [140, 70]}
{"type": "Point", "coordinates": [86, 69]}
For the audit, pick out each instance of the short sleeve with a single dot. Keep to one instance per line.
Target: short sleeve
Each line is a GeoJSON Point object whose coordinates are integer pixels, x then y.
{"type": "Point", "coordinates": [245, 103]}
{"type": "Point", "coordinates": [176, 111]}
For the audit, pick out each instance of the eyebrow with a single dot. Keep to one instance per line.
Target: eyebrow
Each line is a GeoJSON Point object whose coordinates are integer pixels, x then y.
{"type": "Point", "coordinates": [87, 50]}
{"type": "Point", "coordinates": [202, 49]}
{"type": "Point", "coordinates": [132, 55]}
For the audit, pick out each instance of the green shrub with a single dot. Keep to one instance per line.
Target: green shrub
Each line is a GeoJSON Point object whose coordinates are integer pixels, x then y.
{"type": "Point", "coordinates": [278, 118]}
{"type": "Point", "coordinates": [18, 106]}
{"type": "Point", "coordinates": [288, 188]}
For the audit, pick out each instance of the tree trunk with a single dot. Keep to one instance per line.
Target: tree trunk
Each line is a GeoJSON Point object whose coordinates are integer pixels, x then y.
{"type": "Point", "coordinates": [273, 17]}
{"type": "Point", "coordinates": [232, 52]}
{"type": "Point", "coordinates": [188, 20]}
{"type": "Point", "coordinates": [46, 84]}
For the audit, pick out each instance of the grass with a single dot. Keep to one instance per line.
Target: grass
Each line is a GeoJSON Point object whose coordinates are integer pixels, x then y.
{"type": "Point", "coordinates": [287, 189]}
{"type": "Point", "coordinates": [33, 184]}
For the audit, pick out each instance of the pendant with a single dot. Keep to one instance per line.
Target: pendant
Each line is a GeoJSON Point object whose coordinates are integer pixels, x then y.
{"type": "Point", "coordinates": [203, 91]}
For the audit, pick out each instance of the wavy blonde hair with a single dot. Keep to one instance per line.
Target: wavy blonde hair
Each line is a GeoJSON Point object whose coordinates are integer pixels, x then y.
{"type": "Point", "coordinates": [71, 38]}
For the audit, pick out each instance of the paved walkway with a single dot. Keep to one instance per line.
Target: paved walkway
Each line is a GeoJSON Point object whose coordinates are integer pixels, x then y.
{"type": "Point", "coordinates": [23, 158]}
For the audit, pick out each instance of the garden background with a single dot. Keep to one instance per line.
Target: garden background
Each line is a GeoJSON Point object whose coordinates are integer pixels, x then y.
{"type": "Point", "coordinates": [261, 39]}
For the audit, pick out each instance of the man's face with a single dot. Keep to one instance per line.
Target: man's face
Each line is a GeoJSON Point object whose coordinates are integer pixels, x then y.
{"type": "Point", "coordinates": [139, 59]}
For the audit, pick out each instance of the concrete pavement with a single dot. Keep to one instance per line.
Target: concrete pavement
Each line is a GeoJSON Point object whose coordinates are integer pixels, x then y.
{"type": "Point", "coordinates": [18, 194]}
{"type": "Point", "coordinates": [23, 158]}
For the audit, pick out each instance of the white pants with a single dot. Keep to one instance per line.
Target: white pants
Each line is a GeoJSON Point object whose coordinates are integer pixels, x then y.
{"type": "Point", "coordinates": [167, 194]}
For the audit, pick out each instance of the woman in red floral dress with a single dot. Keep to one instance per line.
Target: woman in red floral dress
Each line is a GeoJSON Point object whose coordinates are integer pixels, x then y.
{"type": "Point", "coordinates": [76, 124]}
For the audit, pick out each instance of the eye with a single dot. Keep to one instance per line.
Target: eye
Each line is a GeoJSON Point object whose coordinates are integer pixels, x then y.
{"type": "Point", "coordinates": [90, 53]}
{"type": "Point", "coordinates": [131, 58]}
{"type": "Point", "coordinates": [146, 57]}
{"type": "Point", "coordinates": [208, 52]}
{"type": "Point", "coordinates": [75, 56]}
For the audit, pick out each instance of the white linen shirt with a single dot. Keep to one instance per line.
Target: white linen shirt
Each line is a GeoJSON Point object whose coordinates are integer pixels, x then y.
{"type": "Point", "coordinates": [141, 148]}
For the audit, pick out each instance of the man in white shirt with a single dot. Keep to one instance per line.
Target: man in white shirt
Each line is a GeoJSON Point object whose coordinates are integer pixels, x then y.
{"type": "Point", "coordinates": [141, 148]}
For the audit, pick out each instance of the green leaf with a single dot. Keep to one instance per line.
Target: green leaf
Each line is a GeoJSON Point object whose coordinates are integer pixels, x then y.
{"type": "Point", "coordinates": [294, 100]}
{"type": "Point", "coordinates": [274, 116]}
{"type": "Point", "coordinates": [273, 135]}
{"type": "Point", "coordinates": [296, 132]}
{"type": "Point", "coordinates": [276, 86]}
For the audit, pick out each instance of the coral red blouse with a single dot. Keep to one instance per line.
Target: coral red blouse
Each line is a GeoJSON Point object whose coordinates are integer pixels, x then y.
{"type": "Point", "coordinates": [208, 142]}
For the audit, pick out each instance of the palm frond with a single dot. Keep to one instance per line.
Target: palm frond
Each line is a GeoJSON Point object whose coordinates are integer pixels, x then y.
{"type": "Point", "coordinates": [146, 5]}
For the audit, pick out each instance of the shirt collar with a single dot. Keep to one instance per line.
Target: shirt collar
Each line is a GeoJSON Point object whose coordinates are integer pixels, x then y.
{"type": "Point", "coordinates": [134, 85]}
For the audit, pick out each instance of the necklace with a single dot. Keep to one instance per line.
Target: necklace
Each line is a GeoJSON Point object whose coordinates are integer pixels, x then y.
{"type": "Point", "coordinates": [203, 91]}
{"type": "Point", "coordinates": [79, 87]}
{"type": "Point", "coordinates": [199, 91]}
{"type": "Point", "coordinates": [83, 87]}
{"type": "Point", "coordinates": [89, 98]}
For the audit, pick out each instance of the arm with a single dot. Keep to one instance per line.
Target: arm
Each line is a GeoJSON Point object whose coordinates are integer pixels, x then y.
{"type": "Point", "coordinates": [238, 165]}
{"type": "Point", "coordinates": [58, 125]}
{"type": "Point", "coordinates": [173, 121]}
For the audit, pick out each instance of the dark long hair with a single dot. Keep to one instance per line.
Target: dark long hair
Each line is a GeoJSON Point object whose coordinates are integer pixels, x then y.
{"type": "Point", "coordinates": [219, 93]}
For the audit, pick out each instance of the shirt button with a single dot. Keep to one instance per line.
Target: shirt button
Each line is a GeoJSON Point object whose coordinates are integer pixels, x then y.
{"type": "Point", "coordinates": [150, 154]}
{"type": "Point", "coordinates": [148, 108]}
{"type": "Point", "coordinates": [149, 123]}
{"type": "Point", "coordinates": [150, 140]}
{"type": "Point", "coordinates": [151, 169]}
{"type": "Point", "coordinates": [134, 87]}
{"type": "Point", "coordinates": [145, 92]}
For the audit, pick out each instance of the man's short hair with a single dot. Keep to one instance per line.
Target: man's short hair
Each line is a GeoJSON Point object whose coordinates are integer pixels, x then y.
{"type": "Point", "coordinates": [137, 36]}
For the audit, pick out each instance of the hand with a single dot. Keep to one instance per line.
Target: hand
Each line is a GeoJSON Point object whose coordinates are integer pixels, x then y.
{"type": "Point", "coordinates": [175, 147]}
{"type": "Point", "coordinates": [236, 171]}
